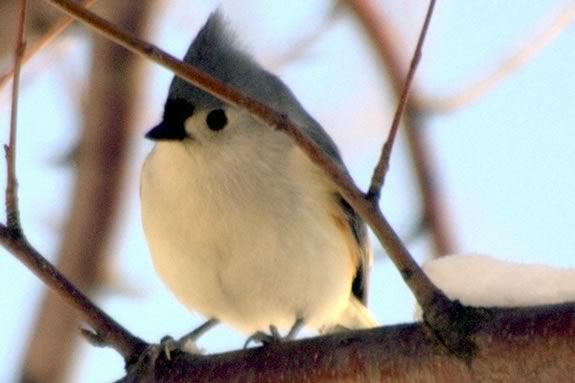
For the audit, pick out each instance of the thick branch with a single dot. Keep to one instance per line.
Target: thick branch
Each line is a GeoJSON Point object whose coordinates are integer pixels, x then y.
{"type": "Point", "coordinates": [535, 344]}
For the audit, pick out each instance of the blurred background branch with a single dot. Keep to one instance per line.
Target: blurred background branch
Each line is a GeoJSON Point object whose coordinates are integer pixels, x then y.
{"type": "Point", "coordinates": [42, 41]}
{"type": "Point", "coordinates": [559, 20]}
{"type": "Point", "coordinates": [99, 161]}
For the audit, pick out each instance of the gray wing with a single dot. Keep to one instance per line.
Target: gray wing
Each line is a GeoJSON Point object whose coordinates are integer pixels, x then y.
{"type": "Point", "coordinates": [360, 282]}
{"type": "Point", "coordinates": [358, 227]}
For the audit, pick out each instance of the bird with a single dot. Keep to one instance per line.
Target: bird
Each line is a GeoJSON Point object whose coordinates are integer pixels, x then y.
{"type": "Point", "coordinates": [242, 226]}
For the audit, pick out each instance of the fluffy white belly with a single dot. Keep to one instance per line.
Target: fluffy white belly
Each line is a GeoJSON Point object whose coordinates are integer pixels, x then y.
{"type": "Point", "coordinates": [247, 247]}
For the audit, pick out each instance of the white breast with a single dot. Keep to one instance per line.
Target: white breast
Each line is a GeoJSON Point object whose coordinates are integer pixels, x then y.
{"type": "Point", "coordinates": [249, 241]}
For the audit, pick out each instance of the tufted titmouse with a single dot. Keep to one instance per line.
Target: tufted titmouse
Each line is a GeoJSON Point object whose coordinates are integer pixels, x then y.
{"type": "Point", "coordinates": [242, 226]}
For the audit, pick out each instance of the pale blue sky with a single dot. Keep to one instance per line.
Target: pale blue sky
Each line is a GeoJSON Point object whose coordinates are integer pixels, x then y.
{"type": "Point", "coordinates": [505, 162]}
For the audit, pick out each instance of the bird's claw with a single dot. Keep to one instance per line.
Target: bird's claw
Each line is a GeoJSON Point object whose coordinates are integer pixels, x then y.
{"type": "Point", "coordinates": [168, 345]}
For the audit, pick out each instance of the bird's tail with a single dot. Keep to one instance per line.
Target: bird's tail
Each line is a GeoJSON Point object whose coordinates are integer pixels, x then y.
{"type": "Point", "coordinates": [356, 316]}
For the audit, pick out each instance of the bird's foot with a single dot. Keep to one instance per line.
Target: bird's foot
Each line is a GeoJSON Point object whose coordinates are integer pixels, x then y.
{"type": "Point", "coordinates": [264, 338]}
{"type": "Point", "coordinates": [169, 345]}
{"type": "Point", "coordinates": [274, 336]}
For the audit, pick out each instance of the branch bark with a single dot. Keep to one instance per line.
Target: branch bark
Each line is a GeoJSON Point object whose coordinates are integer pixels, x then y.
{"type": "Point", "coordinates": [528, 345]}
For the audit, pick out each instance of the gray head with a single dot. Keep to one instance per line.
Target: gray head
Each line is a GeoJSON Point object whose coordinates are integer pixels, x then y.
{"type": "Point", "coordinates": [216, 52]}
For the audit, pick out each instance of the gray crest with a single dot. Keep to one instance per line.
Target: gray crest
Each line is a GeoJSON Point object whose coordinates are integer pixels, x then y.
{"type": "Point", "coordinates": [216, 51]}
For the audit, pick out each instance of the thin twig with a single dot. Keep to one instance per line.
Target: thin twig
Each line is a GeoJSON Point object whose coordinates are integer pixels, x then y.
{"type": "Point", "coordinates": [12, 212]}
{"type": "Point", "coordinates": [386, 44]}
{"type": "Point", "coordinates": [378, 178]}
{"type": "Point", "coordinates": [43, 42]}
{"type": "Point", "coordinates": [508, 66]}
{"type": "Point", "coordinates": [439, 310]}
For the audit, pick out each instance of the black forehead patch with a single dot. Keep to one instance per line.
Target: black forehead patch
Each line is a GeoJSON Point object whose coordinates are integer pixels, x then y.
{"type": "Point", "coordinates": [177, 111]}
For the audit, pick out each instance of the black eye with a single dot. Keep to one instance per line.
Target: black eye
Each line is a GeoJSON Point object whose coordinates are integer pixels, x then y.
{"type": "Point", "coordinates": [217, 119]}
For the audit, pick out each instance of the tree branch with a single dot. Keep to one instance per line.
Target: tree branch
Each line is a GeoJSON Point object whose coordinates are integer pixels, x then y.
{"type": "Point", "coordinates": [530, 344]}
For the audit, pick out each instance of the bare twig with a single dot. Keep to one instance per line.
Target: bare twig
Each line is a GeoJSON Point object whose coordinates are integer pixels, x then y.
{"type": "Point", "coordinates": [507, 67]}
{"type": "Point", "coordinates": [386, 45]}
{"type": "Point", "coordinates": [378, 178]}
{"type": "Point", "coordinates": [439, 310]}
{"type": "Point", "coordinates": [12, 212]}
{"type": "Point", "coordinates": [41, 43]}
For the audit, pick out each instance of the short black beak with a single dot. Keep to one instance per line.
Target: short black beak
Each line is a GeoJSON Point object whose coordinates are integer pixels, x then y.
{"type": "Point", "coordinates": [165, 131]}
